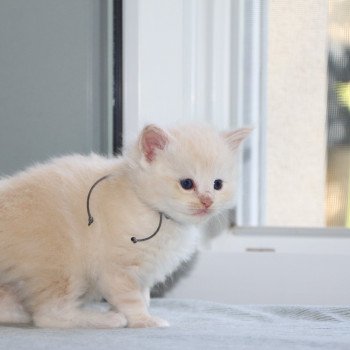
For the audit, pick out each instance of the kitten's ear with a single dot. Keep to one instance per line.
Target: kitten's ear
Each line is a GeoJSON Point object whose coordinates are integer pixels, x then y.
{"type": "Point", "coordinates": [235, 138]}
{"type": "Point", "coordinates": [152, 139]}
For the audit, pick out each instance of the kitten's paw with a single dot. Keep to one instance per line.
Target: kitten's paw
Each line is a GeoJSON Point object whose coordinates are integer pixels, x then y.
{"type": "Point", "coordinates": [147, 321]}
{"type": "Point", "coordinates": [115, 320]}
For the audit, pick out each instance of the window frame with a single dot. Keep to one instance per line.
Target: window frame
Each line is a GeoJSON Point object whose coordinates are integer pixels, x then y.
{"type": "Point", "coordinates": [253, 43]}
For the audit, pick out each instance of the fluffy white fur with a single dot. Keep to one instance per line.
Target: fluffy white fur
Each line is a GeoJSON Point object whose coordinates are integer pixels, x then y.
{"type": "Point", "coordinates": [52, 262]}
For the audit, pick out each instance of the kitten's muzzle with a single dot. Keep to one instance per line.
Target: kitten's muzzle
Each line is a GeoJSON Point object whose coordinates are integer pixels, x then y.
{"type": "Point", "coordinates": [206, 201]}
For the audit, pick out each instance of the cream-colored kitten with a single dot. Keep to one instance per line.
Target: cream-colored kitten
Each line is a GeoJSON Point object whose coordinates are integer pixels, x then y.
{"type": "Point", "coordinates": [52, 262]}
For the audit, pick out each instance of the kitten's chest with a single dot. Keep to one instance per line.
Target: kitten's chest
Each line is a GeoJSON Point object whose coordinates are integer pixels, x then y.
{"type": "Point", "coordinates": [163, 253]}
{"type": "Point", "coordinates": [152, 259]}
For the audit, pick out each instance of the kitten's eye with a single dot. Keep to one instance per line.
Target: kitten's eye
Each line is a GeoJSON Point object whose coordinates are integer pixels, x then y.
{"type": "Point", "coordinates": [218, 184]}
{"type": "Point", "coordinates": [187, 184]}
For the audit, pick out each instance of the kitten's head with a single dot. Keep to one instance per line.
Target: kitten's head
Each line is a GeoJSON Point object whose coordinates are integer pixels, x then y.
{"type": "Point", "coordinates": [187, 173]}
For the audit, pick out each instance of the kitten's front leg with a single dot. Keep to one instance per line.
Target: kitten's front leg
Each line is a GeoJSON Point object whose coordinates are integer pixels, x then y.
{"type": "Point", "coordinates": [147, 296]}
{"type": "Point", "coordinates": [123, 292]}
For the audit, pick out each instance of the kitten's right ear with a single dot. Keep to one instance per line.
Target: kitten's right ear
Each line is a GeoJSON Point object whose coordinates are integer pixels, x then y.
{"type": "Point", "coordinates": [235, 138]}
{"type": "Point", "coordinates": [152, 139]}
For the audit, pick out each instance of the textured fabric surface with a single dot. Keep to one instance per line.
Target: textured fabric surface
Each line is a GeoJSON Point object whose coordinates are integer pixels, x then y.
{"type": "Point", "coordinates": [203, 325]}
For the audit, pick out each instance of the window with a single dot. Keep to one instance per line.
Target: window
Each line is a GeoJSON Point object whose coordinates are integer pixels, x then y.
{"type": "Point", "coordinates": [235, 63]}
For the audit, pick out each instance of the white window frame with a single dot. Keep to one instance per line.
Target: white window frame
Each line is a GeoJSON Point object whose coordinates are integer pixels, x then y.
{"type": "Point", "coordinates": [202, 37]}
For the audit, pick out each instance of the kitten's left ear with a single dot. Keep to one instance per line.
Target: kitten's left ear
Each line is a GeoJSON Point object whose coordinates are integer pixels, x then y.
{"type": "Point", "coordinates": [235, 138]}
{"type": "Point", "coordinates": [152, 139]}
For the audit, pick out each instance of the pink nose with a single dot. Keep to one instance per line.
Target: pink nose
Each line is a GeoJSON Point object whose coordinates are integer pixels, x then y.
{"type": "Point", "coordinates": [206, 201]}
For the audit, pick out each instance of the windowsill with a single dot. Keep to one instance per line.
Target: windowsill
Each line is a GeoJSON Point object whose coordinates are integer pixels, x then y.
{"type": "Point", "coordinates": [282, 241]}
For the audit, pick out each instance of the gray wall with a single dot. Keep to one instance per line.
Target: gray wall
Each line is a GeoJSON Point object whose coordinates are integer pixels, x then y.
{"type": "Point", "coordinates": [52, 80]}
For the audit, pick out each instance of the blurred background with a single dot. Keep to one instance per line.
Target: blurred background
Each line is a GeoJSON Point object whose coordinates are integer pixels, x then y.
{"type": "Point", "coordinates": [338, 115]}
{"type": "Point", "coordinates": [85, 75]}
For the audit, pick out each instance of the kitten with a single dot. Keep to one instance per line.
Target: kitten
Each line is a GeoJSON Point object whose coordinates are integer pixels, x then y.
{"type": "Point", "coordinates": [52, 262]}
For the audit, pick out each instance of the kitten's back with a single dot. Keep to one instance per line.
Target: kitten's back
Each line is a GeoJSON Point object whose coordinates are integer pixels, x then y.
{"type": "Point", "coordinates": [42, 184]}
{"type": "Point", "coordinates": [43, 215]}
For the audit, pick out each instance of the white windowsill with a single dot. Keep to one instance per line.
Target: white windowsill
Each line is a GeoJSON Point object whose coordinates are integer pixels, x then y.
{"type": "Point", "coordinates": [282, 240]}
{"type": "Point", "coordinates": [282, 266]}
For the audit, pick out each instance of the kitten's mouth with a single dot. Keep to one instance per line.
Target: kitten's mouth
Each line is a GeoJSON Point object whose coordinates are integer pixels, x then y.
{"type": "Point", "coordinates": [201, 212]}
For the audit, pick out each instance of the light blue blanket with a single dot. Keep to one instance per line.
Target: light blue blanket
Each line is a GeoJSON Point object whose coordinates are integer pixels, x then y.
{"type": "Point", "coordinates": [203, 325]}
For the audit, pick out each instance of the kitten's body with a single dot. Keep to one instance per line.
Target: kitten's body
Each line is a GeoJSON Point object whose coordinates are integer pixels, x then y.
{"type": "Point", "coordinates": [51, 261]}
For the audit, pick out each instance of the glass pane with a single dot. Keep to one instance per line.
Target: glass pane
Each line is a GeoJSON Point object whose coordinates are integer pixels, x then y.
{"type": "Point", "coordinates": [306, 160]}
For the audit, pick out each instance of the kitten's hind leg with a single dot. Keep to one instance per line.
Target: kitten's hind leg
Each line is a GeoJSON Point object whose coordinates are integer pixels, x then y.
{"type": "Point", "coordinates": [69, 315]}
{"type": "Point", "coordinates": [11, 310]}
{"type": "Point", "coordinates": [54, 302]}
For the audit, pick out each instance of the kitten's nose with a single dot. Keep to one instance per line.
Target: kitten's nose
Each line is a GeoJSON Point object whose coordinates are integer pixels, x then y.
{"type": "Point", "coordinates": [206, 201]}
